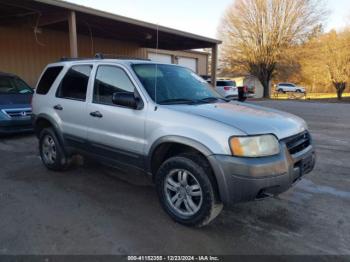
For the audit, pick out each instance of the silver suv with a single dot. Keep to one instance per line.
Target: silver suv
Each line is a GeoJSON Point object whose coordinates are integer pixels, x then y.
{"type": "Point", "coordinates": [202, 151]}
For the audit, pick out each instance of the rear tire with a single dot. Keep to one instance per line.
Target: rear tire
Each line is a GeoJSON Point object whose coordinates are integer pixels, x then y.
{"type": "Point", "coordinates": [51, 151]}
{"type": "Point", "coordinates": [187, 190]}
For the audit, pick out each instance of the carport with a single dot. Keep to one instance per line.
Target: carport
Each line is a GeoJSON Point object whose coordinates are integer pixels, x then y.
{"type": "Point", "coordinates": [83, 29]}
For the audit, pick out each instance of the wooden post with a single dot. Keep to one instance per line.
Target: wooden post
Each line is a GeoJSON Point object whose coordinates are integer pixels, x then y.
{"type": "Point", "coordinates": [214, 64]}
{"type": "Point", "coordinates": [73, 39]}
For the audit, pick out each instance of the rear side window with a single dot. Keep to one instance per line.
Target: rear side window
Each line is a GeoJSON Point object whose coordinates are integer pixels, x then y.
{"type": "Point", "coordinates": [74, 83]}
{"type": "Point", "coordinates": [226, 83]}
{"type": "Point", "coordinates": [47, 79]}
{"type": "Point", "coordinates": [286, 84]}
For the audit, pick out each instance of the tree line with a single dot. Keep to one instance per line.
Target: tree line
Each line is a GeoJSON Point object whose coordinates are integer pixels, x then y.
{"type": "Point", "coordinates": [284, 41]}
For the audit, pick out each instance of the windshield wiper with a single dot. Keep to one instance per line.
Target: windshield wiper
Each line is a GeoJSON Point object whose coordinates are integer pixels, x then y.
{"type": "Point", "coordinates": [191, 101]}
{"type": "Point", "coordinates": [208, 99]}
{"type": "Point", "coordinates": [177, 101]}
{"type": "Point", "coordinates": [212, 99]}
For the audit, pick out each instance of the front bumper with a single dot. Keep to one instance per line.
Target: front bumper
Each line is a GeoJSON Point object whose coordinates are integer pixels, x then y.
{"type": "Point", "coordinates": [245, 179]}
{"type": "Point", "coordinates": [16, 126]}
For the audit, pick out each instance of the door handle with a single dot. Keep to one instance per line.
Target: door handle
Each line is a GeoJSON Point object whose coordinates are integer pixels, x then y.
{"type": "Point", "coordinates": [96, 114]}
{"type": "Point", "coordinates": [58, 107]}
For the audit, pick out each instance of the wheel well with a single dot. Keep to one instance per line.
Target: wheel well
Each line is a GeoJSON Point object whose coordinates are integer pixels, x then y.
{"type": "Point", "coordinates": [168, 150]}
{"type": "Point", "coordinates": [41, 124]}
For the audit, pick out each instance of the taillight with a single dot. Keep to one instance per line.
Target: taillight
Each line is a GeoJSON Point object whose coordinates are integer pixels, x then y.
{"type": "Point", "coordinates": [245, 89]}
{"type": "Point", "coordinates": [227, 88]}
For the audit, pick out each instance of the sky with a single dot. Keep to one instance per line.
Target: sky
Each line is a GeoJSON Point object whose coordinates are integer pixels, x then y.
{"type": "Point", "coordinates": [200, 17]}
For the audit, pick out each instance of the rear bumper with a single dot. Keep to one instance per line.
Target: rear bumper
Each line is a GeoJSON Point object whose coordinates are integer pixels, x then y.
{"type": "Point", "coordinates": [246, 179]}
{"type": "Point", "coordinates": [231, 96]}
{"type": "Point", "coordinates": [15, 126]}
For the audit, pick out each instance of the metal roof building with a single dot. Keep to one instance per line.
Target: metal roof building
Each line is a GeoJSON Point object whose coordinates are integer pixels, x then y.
{"type": "Point", "coordinates": [36, 32]}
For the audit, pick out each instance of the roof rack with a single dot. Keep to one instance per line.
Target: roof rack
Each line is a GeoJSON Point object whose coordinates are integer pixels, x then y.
{"type": "Point", "coordinates": [67, 59]}
{"type": "Point", "coordinates": [103, 56]}
{"type": "Point", "coordinates": [114, 56]}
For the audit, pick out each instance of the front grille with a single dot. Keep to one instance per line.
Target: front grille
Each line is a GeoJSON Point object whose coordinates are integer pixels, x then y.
{"type": "Point", "coordinates": [18, 113]}
{"type": "Point", "coordinates": [298, 142]}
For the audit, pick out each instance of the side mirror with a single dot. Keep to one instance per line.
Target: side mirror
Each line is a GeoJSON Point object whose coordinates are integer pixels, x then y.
{"type": "Point", "coordinates": [126, 99]}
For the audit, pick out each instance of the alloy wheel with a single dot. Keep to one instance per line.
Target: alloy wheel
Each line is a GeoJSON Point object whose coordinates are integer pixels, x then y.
{"type": "Point", "coordinates": [183, 192]}
{"type": "Point", "coordinates": [49, 150]}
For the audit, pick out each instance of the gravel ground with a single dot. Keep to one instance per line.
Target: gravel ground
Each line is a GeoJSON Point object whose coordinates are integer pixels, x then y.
{"type": "Point", "coordinates": [94, 210]}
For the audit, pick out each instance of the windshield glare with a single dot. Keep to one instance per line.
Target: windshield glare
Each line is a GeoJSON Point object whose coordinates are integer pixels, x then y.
{"type": "Point", "coordinates": [13, 85]}
{"type": "Point", "coordinates": [173, 84]}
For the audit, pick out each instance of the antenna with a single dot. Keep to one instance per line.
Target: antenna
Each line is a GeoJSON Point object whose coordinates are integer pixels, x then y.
{"type": "Point", "coordinates": [155, 73]}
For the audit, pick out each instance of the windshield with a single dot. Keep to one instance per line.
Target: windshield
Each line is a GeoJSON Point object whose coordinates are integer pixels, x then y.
{"type": "Point", "coordinates": [168, 84]}
{"type": "Point", "coordinates": [14, 85]}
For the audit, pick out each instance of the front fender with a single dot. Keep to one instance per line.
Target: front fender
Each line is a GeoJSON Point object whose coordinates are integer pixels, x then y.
{"type": "Point", "coordinates": [175, 139]}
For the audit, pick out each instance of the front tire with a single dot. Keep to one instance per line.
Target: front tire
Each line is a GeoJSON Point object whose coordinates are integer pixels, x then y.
{"type": "Point", "coordinates": [51, 151]}
{"type": "Point", "coordinates": [186, 190]}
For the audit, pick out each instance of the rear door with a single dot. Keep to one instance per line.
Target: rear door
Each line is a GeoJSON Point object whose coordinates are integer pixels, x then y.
{"type": "Point", "coordinates": [115, 132]}
{"type": "Point", "coordinates": [293, 88]}
{"type": "Point", "coordinates": [283, 87]}
{"type": "Point", "coordinates": [290, 87]}
{"type": "Point", "coordinates": [70, 103]}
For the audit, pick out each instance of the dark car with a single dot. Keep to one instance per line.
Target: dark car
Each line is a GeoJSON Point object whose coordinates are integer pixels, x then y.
{"type": "Point", "coordinates": [15, 104]}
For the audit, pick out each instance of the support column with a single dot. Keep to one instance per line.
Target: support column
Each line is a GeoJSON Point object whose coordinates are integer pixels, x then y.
{"type": "Point", "coordinates": [214, 64]}
{"type": "Point", "coordinates": [73, 39]}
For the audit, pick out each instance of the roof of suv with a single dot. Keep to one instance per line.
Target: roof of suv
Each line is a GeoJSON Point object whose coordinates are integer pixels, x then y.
{"type": "Point", "coordinates": [285, 83]}
{"type": "Point", "coordinates": [97, 60]}
{"type": "Point", "coordinates": [126, 62]}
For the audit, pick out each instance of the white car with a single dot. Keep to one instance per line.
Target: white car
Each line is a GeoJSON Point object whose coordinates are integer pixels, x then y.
{"type": "Point", "coordinates": [289, 87]}
{"type": "Point", "coordinates": [227, 88]}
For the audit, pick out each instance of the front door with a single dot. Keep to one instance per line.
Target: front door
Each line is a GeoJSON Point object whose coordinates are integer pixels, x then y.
{"type": "Point", "coordinates": [115, 132]}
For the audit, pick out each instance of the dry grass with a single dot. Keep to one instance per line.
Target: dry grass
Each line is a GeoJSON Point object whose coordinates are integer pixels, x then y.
{"type": "Point", "coordinates": [315, 97]}
{"type": "Point", "coordinates": [308, 96]}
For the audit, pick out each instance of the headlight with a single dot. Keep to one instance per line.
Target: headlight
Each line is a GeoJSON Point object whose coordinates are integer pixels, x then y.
{"type": "Point", "coordinates": [254, 146]}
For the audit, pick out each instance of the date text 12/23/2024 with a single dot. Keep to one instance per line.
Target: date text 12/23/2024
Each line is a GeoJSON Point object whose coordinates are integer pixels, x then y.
{"type": "Point", "coordinates": [173, 258]}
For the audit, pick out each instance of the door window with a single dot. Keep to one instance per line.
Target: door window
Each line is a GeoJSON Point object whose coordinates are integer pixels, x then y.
{"type": "Point", "coordinates": [75, 82]}
{"type": "Point", "coordinates": [109, 80]}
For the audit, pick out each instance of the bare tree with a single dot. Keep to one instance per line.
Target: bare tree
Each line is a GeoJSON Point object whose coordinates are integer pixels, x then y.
{"type": "Point", "coordinates": [325, 62]}
{"type": "Point", "coordinates": [255, 33]}
{"type": "Point", "coordinates": [337, 59]}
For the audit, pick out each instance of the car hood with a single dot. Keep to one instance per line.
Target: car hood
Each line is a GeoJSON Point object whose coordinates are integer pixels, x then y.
{"type": "Point", "coordinates": [251, 119]}
{"type": "Point", "coordinates": [14, 100]}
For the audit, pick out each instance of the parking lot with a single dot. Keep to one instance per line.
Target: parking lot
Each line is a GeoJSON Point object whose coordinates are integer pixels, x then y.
{"type": "Point", "coordinates": [94, 210]}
